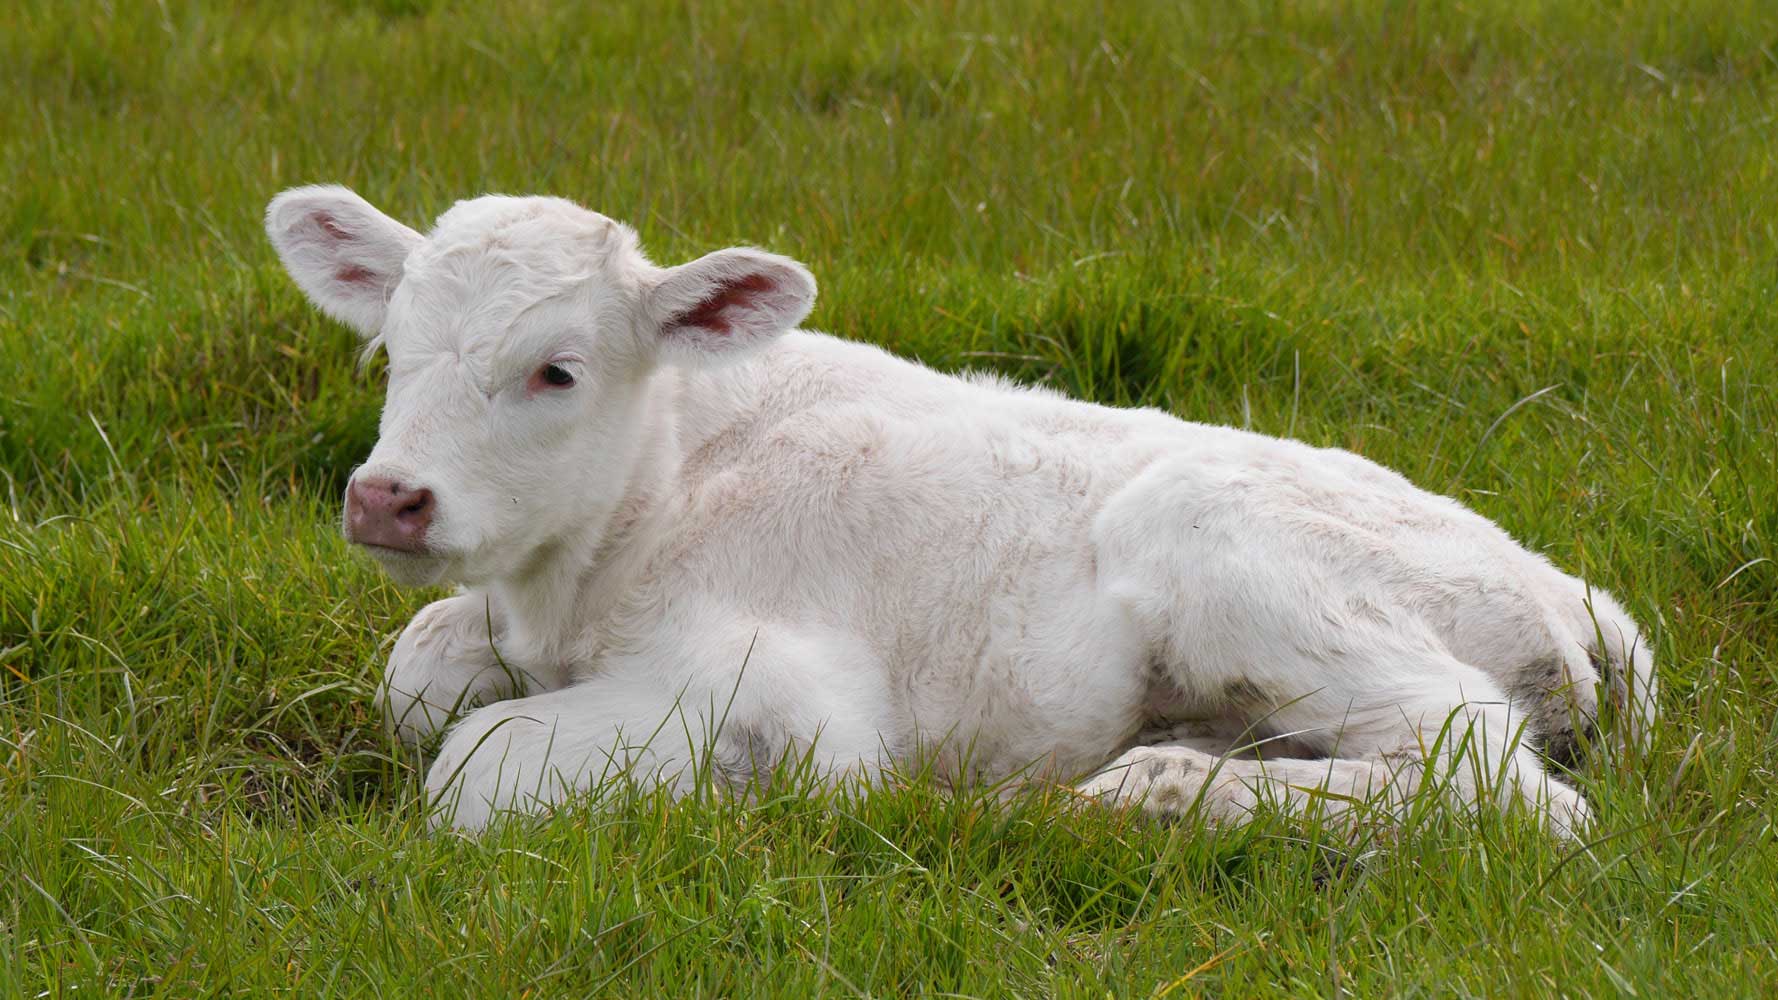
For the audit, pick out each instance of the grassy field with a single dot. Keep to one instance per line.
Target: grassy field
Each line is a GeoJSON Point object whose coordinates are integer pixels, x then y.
{"type": "Point", "coordinates": [1522, 250]}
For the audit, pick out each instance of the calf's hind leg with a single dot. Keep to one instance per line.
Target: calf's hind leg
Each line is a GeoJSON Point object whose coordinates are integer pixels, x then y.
{"type": "Point", "coordinates": [1456, 730]}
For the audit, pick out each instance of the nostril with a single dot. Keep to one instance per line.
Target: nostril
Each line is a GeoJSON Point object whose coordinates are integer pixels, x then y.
{"type": "Point", "coordinates": [417, 508]}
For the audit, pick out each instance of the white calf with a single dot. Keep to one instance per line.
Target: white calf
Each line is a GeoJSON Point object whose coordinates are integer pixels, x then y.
{"type": "Point", "coordinates": [699, 536]}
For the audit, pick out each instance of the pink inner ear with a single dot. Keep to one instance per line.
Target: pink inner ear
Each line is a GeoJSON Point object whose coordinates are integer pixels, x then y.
{"type": "Point", "coordinates": [330, 227]}
{"type": "Point", "coordinates": [731, 294]}
{"type": "Point", "coordinates": [350, 274]}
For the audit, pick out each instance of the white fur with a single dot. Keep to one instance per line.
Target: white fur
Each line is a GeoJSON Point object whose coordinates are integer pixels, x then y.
{"type": "Point", "coordinates": [731, 540]}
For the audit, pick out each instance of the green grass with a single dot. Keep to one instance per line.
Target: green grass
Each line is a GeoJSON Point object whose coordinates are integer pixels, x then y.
{"type": "Point", "coordinates": [1379, 225]}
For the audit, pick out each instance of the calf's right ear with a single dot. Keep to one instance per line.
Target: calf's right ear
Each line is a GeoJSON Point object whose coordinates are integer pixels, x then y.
{"type": "Point", "coordinates": [343, 253]}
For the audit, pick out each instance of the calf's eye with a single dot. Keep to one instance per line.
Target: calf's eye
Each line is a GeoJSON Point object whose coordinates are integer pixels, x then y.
{"type": "Point", "coordinates": [556, 375]}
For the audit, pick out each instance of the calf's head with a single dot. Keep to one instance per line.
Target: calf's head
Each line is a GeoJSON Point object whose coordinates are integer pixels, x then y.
{"type": "Point", "coordinates": [522, 337]}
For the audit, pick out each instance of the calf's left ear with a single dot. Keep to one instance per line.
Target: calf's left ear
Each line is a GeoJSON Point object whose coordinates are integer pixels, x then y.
{"type": "Point", "coordinates": [726, 302]}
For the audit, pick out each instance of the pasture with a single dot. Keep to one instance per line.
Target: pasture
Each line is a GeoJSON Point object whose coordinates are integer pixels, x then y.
{"type": "Point", "coordinates": [1523, 252]}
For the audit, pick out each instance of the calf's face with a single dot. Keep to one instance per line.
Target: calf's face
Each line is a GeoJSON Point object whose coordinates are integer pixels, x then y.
{"type": "Point", "coordinates": [523, 336]}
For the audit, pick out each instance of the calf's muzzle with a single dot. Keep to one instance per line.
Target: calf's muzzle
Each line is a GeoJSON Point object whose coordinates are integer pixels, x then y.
{"type": "Point", "coordinates": [388, 513]}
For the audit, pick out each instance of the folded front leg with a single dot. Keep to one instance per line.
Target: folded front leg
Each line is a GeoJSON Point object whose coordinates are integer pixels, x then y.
{"type": "Point", "coordinates": [446, 663]}
{"type": "Point", "coordinates": [730, 702]}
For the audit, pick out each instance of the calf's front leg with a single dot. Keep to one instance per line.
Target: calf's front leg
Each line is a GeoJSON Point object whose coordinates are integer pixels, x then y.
{"type": "Point", "coordinates": [732, 699]}
{"type": "Point", "coordinates": [445, 664]}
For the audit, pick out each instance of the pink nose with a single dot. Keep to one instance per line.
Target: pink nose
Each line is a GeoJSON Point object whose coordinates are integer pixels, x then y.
{"type": "Point", "coordinates": [387, 513]}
